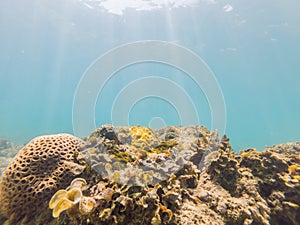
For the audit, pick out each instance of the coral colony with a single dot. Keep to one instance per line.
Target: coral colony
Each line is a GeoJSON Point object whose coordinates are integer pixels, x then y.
{"type": "Point", "coordinates": [135, 175]}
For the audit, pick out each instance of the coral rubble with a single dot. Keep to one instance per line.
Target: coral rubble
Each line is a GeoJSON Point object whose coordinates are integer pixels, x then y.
{"type": "Point", "coordinates": [135, 175]}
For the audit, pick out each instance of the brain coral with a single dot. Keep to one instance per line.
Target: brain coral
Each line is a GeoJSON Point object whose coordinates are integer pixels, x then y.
{"type": "Point", "coordinates": [43, 166]}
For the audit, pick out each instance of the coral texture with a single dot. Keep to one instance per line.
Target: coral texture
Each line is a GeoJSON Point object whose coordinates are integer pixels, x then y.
{"type": "Point", "coordinates": [43, 166]}
{"type": "Point", "coordinates": [171, 157]}
{"type": "Point", "coordinates": [139, 156]}
{"type": "Point", "coordinates": [249, 188]}
{"type": "Point", "coordinates": [195, 178]}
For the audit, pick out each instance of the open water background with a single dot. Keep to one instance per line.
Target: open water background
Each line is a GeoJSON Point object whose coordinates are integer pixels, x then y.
{"type": "Point", "coordinates": [251, 46]}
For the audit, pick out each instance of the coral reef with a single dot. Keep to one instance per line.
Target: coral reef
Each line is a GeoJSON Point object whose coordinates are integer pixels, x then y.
{"type": "Point", "coordinates": [277, 172]}
{"type": "Point", "coordinates": [110, 203]}
{"type": "Point", "coordinates": [140, 156]}
{"type": "Point", "coordinates": [43, 166]}
{"type": "Point", "coordinates": [174, 175]}
{"type": "Point", "coordinates": [249, 188]}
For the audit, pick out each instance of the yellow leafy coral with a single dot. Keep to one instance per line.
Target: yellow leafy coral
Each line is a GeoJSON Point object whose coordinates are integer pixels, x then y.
{"type": "Point", "coordinates": [65, 199]}
{"type": "Point", "coordinates": [146, 141]}
{"type": "Point", "coordinates": [143, 137]}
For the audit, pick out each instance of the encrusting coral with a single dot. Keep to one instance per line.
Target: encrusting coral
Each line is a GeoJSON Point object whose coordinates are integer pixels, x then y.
{"type": "Point", "coordinates": [42, 167]}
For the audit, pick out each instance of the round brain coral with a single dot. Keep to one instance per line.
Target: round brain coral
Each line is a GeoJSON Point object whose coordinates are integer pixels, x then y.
{"type": "Point", "coordinates": [43, 166]}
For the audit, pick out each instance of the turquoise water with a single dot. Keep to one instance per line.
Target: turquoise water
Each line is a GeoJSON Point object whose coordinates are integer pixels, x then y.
{"type": "Point", "coordinates": [252, 47]}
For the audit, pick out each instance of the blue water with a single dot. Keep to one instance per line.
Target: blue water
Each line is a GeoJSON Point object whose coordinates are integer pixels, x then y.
{"type": "Point", "coordinates": [252, 47]}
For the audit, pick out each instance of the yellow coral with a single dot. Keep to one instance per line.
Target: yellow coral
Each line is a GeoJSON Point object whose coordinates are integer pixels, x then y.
{"type": "Point", "coordinates": [61, 206]}
{"type": "Point", "coordinates": [74, 195]}
{"type": "Point", "coordinates": [138, 132]}
{"type": "Point", "coordinates": [146, 142]}
{"type": "Point", "coordinates": [56, 198]}
{"type": "Point", "coordinates": [63, 200]}
{"type": "Point", "coordinates": [294, 169]}
{"type": "Point", "coordinates": [143, 137]}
